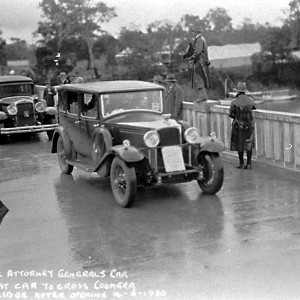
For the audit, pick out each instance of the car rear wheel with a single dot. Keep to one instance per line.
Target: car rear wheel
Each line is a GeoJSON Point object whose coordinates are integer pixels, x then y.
{"type": "Point", "coordinates": [213, 173]}
{"type": "Point", "coordinates": [123, 182]}
{"type": "Point", "coordinates": [62, 160]}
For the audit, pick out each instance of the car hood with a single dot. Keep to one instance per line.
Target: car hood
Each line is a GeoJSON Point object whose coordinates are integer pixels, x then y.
{"type": "Point", "coordinates": [154, 124]}
{"type": "Point", "coordinates": [142, 119]}
{"type": "Point", "coordinates": [14, 99]}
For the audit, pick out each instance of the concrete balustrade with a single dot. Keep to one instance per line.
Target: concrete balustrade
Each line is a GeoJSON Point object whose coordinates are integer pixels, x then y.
{"type": "Point", "coordinates": [277, 134]}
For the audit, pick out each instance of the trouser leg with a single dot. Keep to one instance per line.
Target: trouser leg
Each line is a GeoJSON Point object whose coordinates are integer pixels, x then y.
{"type": "Point", "coordinates": [241, 157]}
{"type": "Point", "coordinates": [202, 95]}
{"type": "Point", "coordinates": [249, 156]}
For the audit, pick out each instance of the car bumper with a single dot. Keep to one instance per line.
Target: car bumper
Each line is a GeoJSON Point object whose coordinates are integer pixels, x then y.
{"type": "Point", "coordinates": [28, 129]}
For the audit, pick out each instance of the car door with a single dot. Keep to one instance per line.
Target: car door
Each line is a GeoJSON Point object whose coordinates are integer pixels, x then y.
{"type": "Point", "coordinates": [73, 120]}
{"type": "Point", "coordinates": [89, 120]}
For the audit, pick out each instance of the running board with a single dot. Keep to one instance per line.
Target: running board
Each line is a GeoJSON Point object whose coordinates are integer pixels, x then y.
{"type": "Point", "coordinates": [80, 165]}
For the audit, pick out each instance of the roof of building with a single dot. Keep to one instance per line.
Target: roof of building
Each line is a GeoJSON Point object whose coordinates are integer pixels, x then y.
{"type": "Point", "coordinates": [233, 51]}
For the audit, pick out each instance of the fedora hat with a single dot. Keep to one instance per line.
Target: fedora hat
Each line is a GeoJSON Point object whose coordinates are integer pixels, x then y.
{"type": "Point", "coordinates": [241, 87]}
{"type": "Point", "coordinates": [171, 77]}
{"type": "Point", "coordinates": [157, 78]}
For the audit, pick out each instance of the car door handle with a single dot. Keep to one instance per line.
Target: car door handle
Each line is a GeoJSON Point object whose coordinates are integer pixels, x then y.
{"type": "Point", "coordinates": [96, 125]}
{"type": "Point", "coordinates": [77, 122]}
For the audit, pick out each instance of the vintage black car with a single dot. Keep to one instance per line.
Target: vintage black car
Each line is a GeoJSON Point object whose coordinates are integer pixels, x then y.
{"type": "Point", "coordinates": [20, 109]}
{"type": "Point", "coordinates": [117, 129]}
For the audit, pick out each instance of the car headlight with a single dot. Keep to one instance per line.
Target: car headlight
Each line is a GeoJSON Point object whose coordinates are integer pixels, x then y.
{"type": "Point", "coordinates": [40, 106]}
{"type": "Point", "coordinates": [126, 143]}
{"type": "Point", "coordinates": [151, 139]}
{"type": "Point", "coordinates": [192, 135]}
{"type": "Point", "coordinates": [213, 136]}
{"type": "Point", "coordinates": [12, 109]}
{"type": "Point", "coordinates": [3, 115]}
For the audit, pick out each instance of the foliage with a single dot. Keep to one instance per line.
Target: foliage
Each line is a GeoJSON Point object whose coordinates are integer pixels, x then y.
{"type": "Point", "coordinates": [294, 23]}
{"type": "Point", "coordinates": [79, 19]}
{"type": "Point", "coordinates": [3, 51]}
{"type": "Point", "coordinates": [17, 50]}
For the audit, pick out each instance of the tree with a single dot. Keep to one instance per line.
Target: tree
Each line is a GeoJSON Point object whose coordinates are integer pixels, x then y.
{"type": "Point", "coordinates": [294, 22]}
{"type": "Point", "coordinates": [18, 49]}
{"type": "Point", "coordinates": [219, 20]}
{"type": "Point", "coordinates": [74, 18]}
{"type": "Point", "coordinates": [3, 53]}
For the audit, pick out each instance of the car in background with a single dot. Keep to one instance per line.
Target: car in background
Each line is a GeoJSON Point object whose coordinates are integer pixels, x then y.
{"type": "Point", "coordinates": [117, 129]}
{"type": "Point", "coordinates": [21, 111]}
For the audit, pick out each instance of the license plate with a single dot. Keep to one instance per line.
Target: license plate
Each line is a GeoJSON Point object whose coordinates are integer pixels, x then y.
{"type": "Point", "coordinates": [173, 158]}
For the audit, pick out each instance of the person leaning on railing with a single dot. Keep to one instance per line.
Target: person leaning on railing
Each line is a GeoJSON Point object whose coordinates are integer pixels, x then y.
{"type": "Point", "coordinates": [242, 133]}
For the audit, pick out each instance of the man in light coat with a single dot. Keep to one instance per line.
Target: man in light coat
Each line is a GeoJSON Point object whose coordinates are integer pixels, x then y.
{"type": "Point", "coordinates": [173, 97]}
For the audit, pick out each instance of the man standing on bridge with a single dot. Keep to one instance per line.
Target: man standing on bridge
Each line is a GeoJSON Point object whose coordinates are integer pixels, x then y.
{"type": "Point", "coordinates": [242, 134]}
{"type": "Point", "coordinates": [199, 62]}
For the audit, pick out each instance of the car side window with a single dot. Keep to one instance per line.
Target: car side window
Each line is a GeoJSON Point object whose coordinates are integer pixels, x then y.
{"type": "Point", "coordinates": [72, 103]}
{"type": "Point", "coordinates": [62, 101]}
{"type": "Point", "coordinates": [90, 106]}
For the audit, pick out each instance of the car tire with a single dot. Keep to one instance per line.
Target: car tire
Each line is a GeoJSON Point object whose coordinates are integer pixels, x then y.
{"type": "Point", "coordinates": [213, 173]}
{"type": "Point", "coordinates": [123, 182]}
{"type": "Point", "coordinates": [61, 155]}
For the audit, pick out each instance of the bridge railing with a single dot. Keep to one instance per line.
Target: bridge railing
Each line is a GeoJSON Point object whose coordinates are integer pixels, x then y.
{"type": "Point", "coordinates": [277, 134]}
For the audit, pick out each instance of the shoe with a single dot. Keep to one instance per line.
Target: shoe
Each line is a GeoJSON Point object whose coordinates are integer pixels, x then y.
{"type": "Point", "coordinates": [247, 167]}
{"type": "Point", "coordinates": [241, 166]}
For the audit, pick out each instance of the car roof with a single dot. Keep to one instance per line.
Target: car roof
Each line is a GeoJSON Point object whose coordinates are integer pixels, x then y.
{"type": "Point", "coordinates": [111, 86]}
{"type": "Point", "coordinates": [14, 78]}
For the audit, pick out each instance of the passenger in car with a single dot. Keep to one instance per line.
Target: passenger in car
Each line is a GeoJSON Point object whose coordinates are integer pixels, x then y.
{"type": "Point", "coordinates": [90, 108]}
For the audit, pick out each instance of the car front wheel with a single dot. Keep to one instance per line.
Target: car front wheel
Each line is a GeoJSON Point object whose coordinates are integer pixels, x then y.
{"type": "Point", "coordinates": [213, 173]}
{"type": "Point", "coordinates": [123, 182]}
{"type": "Point", "coordinates": [62, 160]}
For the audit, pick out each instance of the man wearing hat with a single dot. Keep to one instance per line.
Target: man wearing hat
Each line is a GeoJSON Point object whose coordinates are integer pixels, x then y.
{"type": "Point", "coordinates": [173, 97]}
{"type": "Point", "coordinates": [158, 80]}
{"type": "Point", "coordinates": [65, 78]}
{"type": "Point", "coordinates": [242, 133]}
{"type": "Point", "coordinates": [49, 93]}
{"type": "Point", "coordinates": [198, 57]}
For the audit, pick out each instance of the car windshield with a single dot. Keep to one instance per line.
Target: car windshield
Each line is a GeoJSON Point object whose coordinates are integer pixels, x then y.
{"type": "Point", "coordinates": [119, 102]}
{"type": "Point", "coordinates": [16, 90]}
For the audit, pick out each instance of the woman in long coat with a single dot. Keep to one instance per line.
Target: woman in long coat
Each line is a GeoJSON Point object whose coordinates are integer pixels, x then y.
{"type": "Point", "coordinates": [242, 134]}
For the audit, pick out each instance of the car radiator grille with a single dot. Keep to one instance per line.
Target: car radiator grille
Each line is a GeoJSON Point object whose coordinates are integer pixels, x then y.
{"type": "Point", "coordinates": [25, 114]}
{"type": "Point", "coordinates": [168, 137]}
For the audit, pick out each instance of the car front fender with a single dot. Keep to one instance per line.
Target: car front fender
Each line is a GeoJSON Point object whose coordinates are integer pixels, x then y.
{"type": "Point", "coordinates": [59, 131]}
{"type": "Point", "coordinates": [211, 145]}
{"type": "Point", "coordinates": [128, 154]}
{"type": "Point", "coordinates": [51, 111]}
{"type": "Point", "coordinates": [3, 116]}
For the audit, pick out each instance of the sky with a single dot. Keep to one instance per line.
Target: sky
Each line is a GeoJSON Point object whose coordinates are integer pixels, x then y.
{"type": "Point", "coordinates": [19, 18]}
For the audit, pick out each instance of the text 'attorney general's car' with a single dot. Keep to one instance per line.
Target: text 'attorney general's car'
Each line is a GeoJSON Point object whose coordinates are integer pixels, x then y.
{"type": "Point", "coordinates": [117, 129]}
{"type": "Point", "coordinates": [21, 111]}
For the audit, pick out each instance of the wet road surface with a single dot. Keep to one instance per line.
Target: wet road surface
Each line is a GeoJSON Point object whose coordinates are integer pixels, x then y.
{"type": "Point", "coordinates": [174, 243]}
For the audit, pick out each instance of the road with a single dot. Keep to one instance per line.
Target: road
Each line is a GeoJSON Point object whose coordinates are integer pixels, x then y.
{"type": "Point", "coordinates": [65, 238]}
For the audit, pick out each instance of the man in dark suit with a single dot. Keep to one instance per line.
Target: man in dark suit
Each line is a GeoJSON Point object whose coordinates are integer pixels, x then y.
{"type": "Point", "coordinates": [173, 97]}
{"type": "Point", "coordinates": [199, 62]}
{"type": "Point", "coordinates": [49, 93]}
